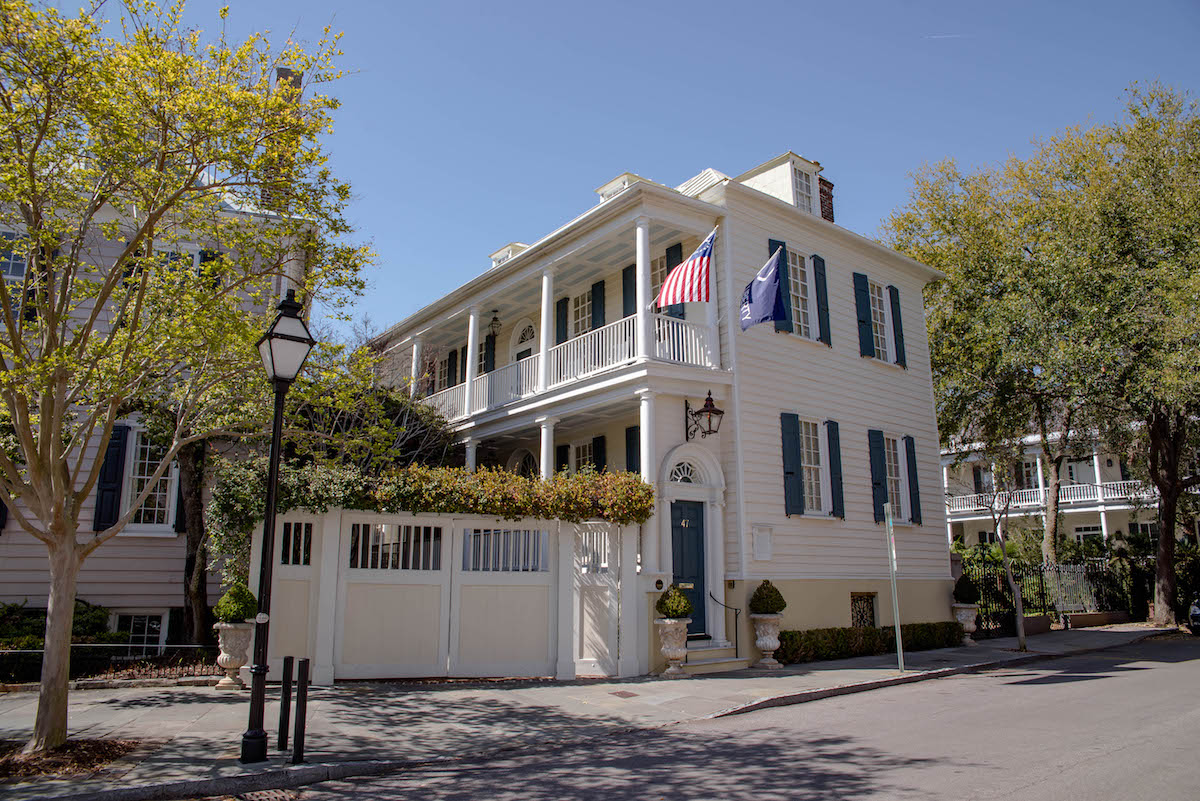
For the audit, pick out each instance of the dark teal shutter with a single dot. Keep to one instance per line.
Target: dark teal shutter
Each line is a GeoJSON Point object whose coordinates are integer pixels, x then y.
{"type": "Point", "coordinates": [674, 259]}
{"type": "Point", "coordinates": [862, 305]}
{"type": "Point", "coordinates": [822, 300]}
{"type": "Point", "coordinates": [977, 474]}
{"type": "Point", "coordinates": [837, 504]}
{"type": "Point", "coordinates": [207, 256]}
{"type": "Point", "coordinates": [600, 453]}
{"type": "Point", "coordinates": [914, 493]}
{"type": "Point", "coordinates": [793, 474]}
{"type": "Point", "coordinates": [897, 326]}
{"type": "Point", "coordinates": [633, 449]}
{"type": "Point", "coordinates": [562, 458]}
{"type": "Point", "coordinates": [112, 474]}
{"type": "Point", "coordinates": [879, 493]}
{"type": "Point", "coordinates": [462, 367]}
{"type": "Point", "coordinates": [629, 291]}
{"type": "Point", "coordinates": [3, 515]}
{"type": "Point", "coordinates": [785, 286]}
{"type": "Point", "coordinates": [489, 353]}
{"type": "Point", "coordinates": [561, 311]}
{"type": "Point", "coordinates": [451, 368]}
{"type": "Point", "coordinates": [597, 305]}
{"type": "Point", "coordinates": [180, 517]}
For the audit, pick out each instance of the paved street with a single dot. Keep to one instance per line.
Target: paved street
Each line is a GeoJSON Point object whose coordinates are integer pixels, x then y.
{"type": "Point", "coordinates": [1119, 724]}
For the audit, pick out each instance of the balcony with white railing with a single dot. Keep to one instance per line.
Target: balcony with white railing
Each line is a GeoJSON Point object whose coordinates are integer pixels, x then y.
{"type": "Point", "coordinates": [1116, 492]}
{"type": "Point", "coordinates": [505, 385]}
{"type": "Point", "coordinates": [606, 347]}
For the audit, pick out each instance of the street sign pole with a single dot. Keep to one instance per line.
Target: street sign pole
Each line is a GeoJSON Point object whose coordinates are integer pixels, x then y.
{"type": "Point", "coordinates": [890, 537]}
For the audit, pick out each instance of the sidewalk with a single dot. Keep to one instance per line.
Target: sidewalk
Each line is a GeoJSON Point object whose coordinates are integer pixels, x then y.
{"type": "Point", "coordinates": [193, 733]}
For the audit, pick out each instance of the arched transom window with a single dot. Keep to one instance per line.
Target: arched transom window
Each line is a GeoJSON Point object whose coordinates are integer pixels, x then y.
{"type": "Point", "coordinates": [528, 334]}
{"type": "Point", "coordinates": [685, 473]}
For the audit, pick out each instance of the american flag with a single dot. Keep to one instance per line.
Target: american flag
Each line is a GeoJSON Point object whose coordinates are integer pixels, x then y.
{"type": "Point", "coordinates": [688, 282]}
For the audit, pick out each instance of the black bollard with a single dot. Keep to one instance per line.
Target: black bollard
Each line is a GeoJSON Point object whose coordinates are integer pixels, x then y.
{"type": "Point", "coordinates": [301, 712]}
{"type": "Point", "coordinates": [285, 703]}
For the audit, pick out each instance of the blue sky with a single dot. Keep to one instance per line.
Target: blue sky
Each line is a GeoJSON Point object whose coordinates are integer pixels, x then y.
{"type": "Point", "coordinates": [468, 125]}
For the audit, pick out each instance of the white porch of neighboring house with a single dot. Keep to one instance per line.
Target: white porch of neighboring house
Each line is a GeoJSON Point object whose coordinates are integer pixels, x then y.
{"type": "Point", "coordinates": [402, 596]}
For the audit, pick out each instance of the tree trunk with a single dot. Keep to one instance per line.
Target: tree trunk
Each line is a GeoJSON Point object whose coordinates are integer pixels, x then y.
{"type": "Point", "coordinates": [1016, 591]}
{"type": "Point", "coordinates": [196, 615]}
{"type": "Point", "coordinates": [1164, 580]}
{"type": "Point", "coordinates": [1050, 535]}
{"type": "Point", "coordinates": [50, 724]}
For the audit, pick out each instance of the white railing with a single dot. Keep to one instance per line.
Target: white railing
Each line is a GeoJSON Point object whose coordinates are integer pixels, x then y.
{"type": "Point", "coordinates": [452, 402]}
{"type": "Point", "coordinates": [509, 383]}
{"type": "Point", "coordinates": [1121, 491]}
{"type": "Point", "coordinates": [1074, 493]}
{"type": "Point", "coordinates": [1025, 497]}
{"type": "Point", "coordinates": [678, 340]}
{"type": "Point", "coordinates": [597, 350]}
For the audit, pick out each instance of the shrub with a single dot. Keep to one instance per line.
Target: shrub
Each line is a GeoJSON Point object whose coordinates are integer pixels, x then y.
{"type": "Point", "coordinates": [965, 591]}
{"type": "Point", "coordinates": [237, 605]}
{"type": "Point", "coordinates": [673, 603]}
{"type": "Point", "coordinates": [816, 645]}
{"type": "Point", "coordinates": [767, 600]}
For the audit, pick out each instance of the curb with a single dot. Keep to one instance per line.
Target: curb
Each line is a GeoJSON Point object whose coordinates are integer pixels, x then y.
{"type": "Point", "coordinates": [302, 775]}
{"type": "Point", "coordinates": [117, 684]}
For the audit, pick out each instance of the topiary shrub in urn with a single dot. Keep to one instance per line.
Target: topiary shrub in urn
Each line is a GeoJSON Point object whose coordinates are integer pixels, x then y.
{"type": "Point", "coordinates": [676, 611]}
{"type": "Point", "coordinates": [766, 607]}
{"type": "Point", "coordinates": [235, 626]}
{"type": "Point", "coordinates": [966, 606]}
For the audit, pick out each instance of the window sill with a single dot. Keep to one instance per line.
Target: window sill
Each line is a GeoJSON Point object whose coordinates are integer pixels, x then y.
{"type": "Point", "coordinates": [885, 363]}
{"type": "Point", "coordinates": [802, 338]}
{"type": "Point", "coordinates": [153, 532]}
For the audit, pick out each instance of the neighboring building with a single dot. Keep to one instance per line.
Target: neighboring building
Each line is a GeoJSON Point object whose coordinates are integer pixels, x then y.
{"type": "Point", "coordinates": [553, 359]}
{"type": "Point", "coordinates": [1098, 499]}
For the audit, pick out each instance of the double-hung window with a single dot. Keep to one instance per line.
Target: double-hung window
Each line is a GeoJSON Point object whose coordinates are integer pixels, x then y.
{"type": "Point", "coordinates": [658, 274]}
{"type": "Point", "coordinates": [812, 465]}
{"type": "Point", "coordinates": [801, 293]}
{"type": "Point", "coordinates": [895, 476]}
{"type": "Point", "coordinates": [879, 320]}
{"type": "Point", "coordinates": [157, 510]}
{"type": "Point", "coordinates": [12, 270]}
{"type": "Point", "coordinates": [584, 456]}
{"type": "Point", "coordinates": [443, 374]}
{"type": "Point", "coordinates": [802, 187]}
{"type": "Point", "coordinates": [581, 314]}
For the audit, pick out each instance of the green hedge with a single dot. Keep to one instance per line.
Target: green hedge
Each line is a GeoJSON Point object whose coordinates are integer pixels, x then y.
{"type": "Point", "coordinates": [815, 645]}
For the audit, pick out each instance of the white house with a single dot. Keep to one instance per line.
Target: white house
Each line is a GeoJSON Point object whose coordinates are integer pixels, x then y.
{"type": "Point", "coordinates": [554, 358]}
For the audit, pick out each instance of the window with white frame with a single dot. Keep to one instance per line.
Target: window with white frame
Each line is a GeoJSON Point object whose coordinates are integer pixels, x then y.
{"type": "Point", "coordinates": [879, 320]}
{"type": "Point", "coordinates": [12, 263]}
{"type": "Point", "coordinates": [802, 186]}
{"type": "Point", "coordinates": [811, 464]}
{"type": "Point", "coordinates": [581, 314]}
{"type": "Point", "coordinates": [1025, 475]}
{"type": "Point", "coordinates": [1083, 533]}
{"type": "Point", "coordinates": [158, 507]}
{"type": "Point", "coordinates": [584, 456]}
{"type": "Point", "coordinates": [658, 274]}
{"type": "Point", "coordinates": [480, 362]}
{"type": "Point", "coordinates": [895, 479]}
{"type": "Point", "coordinates": [147, 632]}
{"type": "Point", "coordinates": [800, 294]}
{"type": "Point", "coordinates": [443, 374]}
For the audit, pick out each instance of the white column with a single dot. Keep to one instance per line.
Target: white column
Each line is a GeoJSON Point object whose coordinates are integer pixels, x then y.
{"type": "Point", "coordinates": [471, 369]}
{"type": "Point", "coordinates": [472, 445]}
{"type": "Point", "coordinates": [645, 331]}
{"type": "Point", "coordinates": [416, 367]}
{"type": "Point", "coordinates": [712, 314]}
{"type": "Point", "coordinates": [330, 560]}
{"type": "Point", "coordinates": [547, 340]}
{"type": "Point", "coordinates": [649, 460]}
{"type": "Point", "coordinates": [1041, 480]}
{"type": "Point", "coordinates": [567, 598]}
{"type": "Point", "coordinates": [714, 535]}
{"type": "Point", "coordinates": [1099, 481]}
{"type": "Point", "coordinates": [1104, 524]}
{"type": "Point", "coordinates": [629, 609]}
{"type": "Point", "coordinates": [547, 461]}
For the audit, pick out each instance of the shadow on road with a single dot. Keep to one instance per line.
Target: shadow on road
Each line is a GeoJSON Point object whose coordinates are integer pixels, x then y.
{"type": "Point", "coordinates": [1107, 664]}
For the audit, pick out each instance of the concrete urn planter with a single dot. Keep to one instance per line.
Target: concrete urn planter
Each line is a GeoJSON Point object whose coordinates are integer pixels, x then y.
{"type": "Point", "coordinates": [672, 631]}
{"type": "Point", "coordinates": [234, 641]}
{"type": "Point", "coordinates": [965, 614]}
{"type": "Point", "coordinates": [766, 637]}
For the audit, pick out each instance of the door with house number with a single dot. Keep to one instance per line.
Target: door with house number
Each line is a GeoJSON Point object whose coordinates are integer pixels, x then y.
{"type": "Point", "coordinates": [687, 559]}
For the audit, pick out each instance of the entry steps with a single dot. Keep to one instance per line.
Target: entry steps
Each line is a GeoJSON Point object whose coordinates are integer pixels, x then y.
{"type": "Point", "coordinates": [706, 656]}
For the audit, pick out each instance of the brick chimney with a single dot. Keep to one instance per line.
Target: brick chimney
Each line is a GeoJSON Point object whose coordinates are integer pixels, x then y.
{"type": "Point", "coordinates": [826, 198]}
{"type": "Point", "coordinates": [270, 197]}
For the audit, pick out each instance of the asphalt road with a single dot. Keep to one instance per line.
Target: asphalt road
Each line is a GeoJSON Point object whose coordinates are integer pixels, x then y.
{"type": "Point", "coordinates": [1120, 724]}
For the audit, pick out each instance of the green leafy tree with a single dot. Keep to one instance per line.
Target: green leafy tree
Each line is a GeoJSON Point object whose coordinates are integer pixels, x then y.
{"type": "Point", "coordinates": [122, 147]}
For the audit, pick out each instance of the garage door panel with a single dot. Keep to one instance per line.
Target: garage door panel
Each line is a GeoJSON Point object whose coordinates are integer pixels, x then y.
{"type": "Point", "coordinates": [393, 626]}
{"type": "Point", "coordinates": [504, 630]}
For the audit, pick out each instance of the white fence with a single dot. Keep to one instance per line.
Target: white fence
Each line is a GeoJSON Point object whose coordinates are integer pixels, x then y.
{"type": "Point", "coordinates": [1119, 491]}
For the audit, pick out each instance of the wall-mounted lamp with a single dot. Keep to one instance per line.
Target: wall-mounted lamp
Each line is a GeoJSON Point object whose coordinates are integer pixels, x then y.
{"type": "Point", "coordinates": [705, 420]}
{"type": "Point", "coordinates": [494, 325]}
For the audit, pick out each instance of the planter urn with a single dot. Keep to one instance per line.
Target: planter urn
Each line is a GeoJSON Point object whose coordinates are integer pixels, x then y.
{"type": "Point", "coordinates": [766, 637]}
{"type": "Point", "coordinates": [672, 631]}
{"type": "Point", "coordinates": [234, 641]}
{"type": "Point", "coordinates": [965, 614]}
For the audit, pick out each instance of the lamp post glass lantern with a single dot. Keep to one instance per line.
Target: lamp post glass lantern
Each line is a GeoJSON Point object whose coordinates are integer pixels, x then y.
{"type": "Point", "coordinates": [706, 420]}
{"type": "Point", "coordinates": [284, 348]}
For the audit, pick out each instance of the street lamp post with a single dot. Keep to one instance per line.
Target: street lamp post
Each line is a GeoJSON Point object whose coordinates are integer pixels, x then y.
{"type": "Point", "coordinates": [284, 348]}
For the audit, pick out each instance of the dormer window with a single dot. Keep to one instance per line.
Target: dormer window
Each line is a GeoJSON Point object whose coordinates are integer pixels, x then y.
{"type": "Point", "coordinates": [802, 189]}
{"type": "Point", "coordinates": [507, 252]}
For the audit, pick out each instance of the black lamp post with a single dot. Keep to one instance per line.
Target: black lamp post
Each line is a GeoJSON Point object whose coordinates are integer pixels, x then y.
{"type": "Point", "coordinates": [284, 349]}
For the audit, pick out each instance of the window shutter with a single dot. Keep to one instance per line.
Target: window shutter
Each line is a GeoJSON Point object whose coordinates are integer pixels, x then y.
{"type": "Point", "coordinates": [897, 326]}
{"type": "Point", "coordinates": [822, 301]}
{"type": "Point", "coordinates": [879, 493]}
{"type": "Point", "coordinates": [597, 305]}
{"type": "Point", "coordinates": [673, 260]}
{"type": "Point", "coordinates": [914, 492]}
{"type": "Point", "coordinates": [561, 313]}
{"type": "Point", "coordinates": [785, 286]}
{"type": "Point", "coordinates": [3, 515]}
{"type": "Point", "coordinates": [862, 304]}
{"type": "Point", "coordinates": [977, 474]}
{"type": "Point", "coordinates": [451, 368]}
{"type": "Point", "coordinates": [562, 458]}
{"type": "Point", "coordinates": [633, 449]}
{"type": "Point", "coordinates": [837, 503]}
{"type": "Point", "coordinates": [462, 365]}
{"type": "Point", "coordinates": [112, 474]}
{"type": "Point", "coordinates": [207, 256]}
{"type": "Point", "coordinates": [180, 517]}
{"type": "Point", "coordinates": [600, 453]}
{"type": "Point", "coordinates": [629, 291]}
{"type": "Point", "coordinates": [489, 353]}
{"type": "Point", "coordinates": [793, 479]}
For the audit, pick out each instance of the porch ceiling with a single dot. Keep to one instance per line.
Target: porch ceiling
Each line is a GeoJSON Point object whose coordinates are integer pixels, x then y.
{"type": "Point", "coordinates": [580, 424]}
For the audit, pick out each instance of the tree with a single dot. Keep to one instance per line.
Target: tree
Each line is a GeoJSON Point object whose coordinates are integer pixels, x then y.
{"type": "Point", "coordinates": [119, 154]}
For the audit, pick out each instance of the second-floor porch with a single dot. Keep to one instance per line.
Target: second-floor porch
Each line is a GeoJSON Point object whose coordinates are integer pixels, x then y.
{"type": "Point", "coordinates": [1115, 494]}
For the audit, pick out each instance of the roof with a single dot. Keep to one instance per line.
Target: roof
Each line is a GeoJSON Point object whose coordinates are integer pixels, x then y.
{"type": "Point", "coordinates": [695, 186]}
{"type": "Point", "coordinates": [775, 162]}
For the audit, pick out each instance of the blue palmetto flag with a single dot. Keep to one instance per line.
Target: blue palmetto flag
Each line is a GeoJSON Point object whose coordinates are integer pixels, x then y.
{"type": "Point", "coordinates": [762, 299]}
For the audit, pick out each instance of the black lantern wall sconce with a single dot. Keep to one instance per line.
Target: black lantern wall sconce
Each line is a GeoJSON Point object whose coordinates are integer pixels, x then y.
{"type": "Point", "coordinates": [703, 421]}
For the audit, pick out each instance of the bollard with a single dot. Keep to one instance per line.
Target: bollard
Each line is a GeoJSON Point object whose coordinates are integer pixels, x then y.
{"type": "Point", "coordinates": [301, 712]}
{"type": "Point", "coordinates": [285, 703]}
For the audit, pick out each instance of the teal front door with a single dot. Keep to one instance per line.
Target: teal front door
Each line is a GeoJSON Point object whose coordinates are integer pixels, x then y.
{"type": "Point", "coordinates": [687, 557]}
